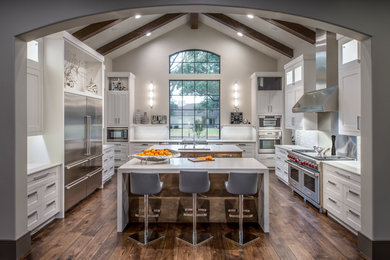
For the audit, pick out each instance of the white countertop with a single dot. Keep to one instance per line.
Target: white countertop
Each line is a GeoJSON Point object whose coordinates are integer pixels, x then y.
{"type": "Point", "coordinates": [220, 165]}
{"type": "Point", "coordinates": [290, 147]}
{"type": "Point", "coordinates": [179, 141]}
{"type": "Point", "coordinates": [350, 166]}
{"type": "Point", "coordinates": [213, 148]}
{"type": "Point", "coordinates": [37, 167]}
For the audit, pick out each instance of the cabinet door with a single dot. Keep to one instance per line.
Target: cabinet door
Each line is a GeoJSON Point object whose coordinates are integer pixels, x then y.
{"type": "Point", "coordinates": [349, 101]}
{"type": "Point", "coordinates": [298, 75]}
{"type": "Point", "coordinates": [290, 102]}
{"type": "Point", "coordinates": [289, 77]}
{"type": "Point", "coordinates": [122, 109]}
{"type": "Point", "coordinates": [276, 102]}
{"type": "Point", "coordinates": [111, 109]}
{"type": "Point", "coordinates": [34, 102]}
{"type": "Point", "coordinates": [263, 106]}
{"type": "Point", "coordinates": [298, 117]}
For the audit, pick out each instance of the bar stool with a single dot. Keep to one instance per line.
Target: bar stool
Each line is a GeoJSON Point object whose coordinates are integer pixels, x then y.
{"type": "Point", "coordinates": [145, 184]}
{"type": "Point", "coordinates": [241, 184]}
{"type": "Point", "coordinates": [194, 182]}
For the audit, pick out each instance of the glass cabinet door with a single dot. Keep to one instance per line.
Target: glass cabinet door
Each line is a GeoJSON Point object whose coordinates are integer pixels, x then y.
{"type": "Point", "coordinates": [289, 77]}
{"type": "Point", "coordinates": [297, 74]}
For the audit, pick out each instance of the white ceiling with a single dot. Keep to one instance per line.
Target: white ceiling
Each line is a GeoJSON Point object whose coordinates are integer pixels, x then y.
{"type": "Point", "coordinates": [298, 45]}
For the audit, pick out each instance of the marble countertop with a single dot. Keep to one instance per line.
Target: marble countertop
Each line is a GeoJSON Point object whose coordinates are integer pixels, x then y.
{"type": "Point", "coordinates": [37, 167]}
{"type": "Point", "coordinates": [290, 146]}
{"type": "Point", "coordinates": [201, 148]}
{"type": "Point", "coordinates": [350, 166]}
{"type": "Point", "coordinates": [179, 141]}
{"type": "Point", "coordinates": [222, 165]}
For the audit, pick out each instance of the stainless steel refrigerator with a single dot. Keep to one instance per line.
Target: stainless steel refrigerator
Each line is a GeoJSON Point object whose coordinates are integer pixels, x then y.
{"type": "Point", "coordinates": [83, 147]}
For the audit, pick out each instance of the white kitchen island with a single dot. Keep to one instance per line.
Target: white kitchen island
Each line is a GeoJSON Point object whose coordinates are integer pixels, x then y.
{"type": "Point", "coordinates": [174, 166]}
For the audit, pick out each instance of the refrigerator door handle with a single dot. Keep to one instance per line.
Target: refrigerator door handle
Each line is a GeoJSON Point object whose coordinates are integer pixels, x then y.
{"type": "Point", "coordinates": [94, 157]}
{"type": "Point", "coordinates": [88, 134]}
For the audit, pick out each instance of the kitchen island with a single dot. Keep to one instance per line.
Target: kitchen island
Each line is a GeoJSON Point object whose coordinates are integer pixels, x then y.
{"type": "Point", "coordinates": [172, 202]}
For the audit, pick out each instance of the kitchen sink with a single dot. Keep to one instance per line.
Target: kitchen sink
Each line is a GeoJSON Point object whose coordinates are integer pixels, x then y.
{"type": "Point", "coordinates": [196, 147]}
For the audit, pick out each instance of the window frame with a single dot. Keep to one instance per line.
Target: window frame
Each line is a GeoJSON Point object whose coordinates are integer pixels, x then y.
{"type": "Point", "coordinates": [183, 51]}
{"type": "Point", "coordinates": [182, 123]}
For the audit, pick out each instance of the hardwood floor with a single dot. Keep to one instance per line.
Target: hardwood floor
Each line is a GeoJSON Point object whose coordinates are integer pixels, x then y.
{"type": "Point", "coordinates": [297, 231]}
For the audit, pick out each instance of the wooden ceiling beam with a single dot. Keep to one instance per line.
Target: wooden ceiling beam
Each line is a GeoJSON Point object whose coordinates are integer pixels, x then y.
{"type": "Point", "coordinates": [296, 29]}
{"type": "Point", "coordinates": [95, 28]}
{"type": "Point", "coordinates": [138, 33]}
{"type": "Point", "coordinates": [253, 34]}
{"type": "Point", "coordinates": [194, 20]}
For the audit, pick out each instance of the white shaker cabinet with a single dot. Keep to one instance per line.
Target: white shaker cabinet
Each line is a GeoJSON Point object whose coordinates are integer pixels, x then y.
{"type": "Point", "coordinates": [270, 102]}
{"type": "Point", "coordinates": [350, 83]}
{"type": "Point", "coordinates": [117, 108]}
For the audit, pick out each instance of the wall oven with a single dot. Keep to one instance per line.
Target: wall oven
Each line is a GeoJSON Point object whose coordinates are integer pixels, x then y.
{"type": "Point", "coordinates": [117, 134]}
{"type": "Point", "coordinates": [268, 139]}
{"type": "Point", "coordinates": [270, 122]}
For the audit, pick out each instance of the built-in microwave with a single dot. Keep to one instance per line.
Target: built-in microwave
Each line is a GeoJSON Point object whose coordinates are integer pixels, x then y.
{"type": "Point", "coordinates": [270, 122]}
{"type": "Point", "coordinates": [117, 134]}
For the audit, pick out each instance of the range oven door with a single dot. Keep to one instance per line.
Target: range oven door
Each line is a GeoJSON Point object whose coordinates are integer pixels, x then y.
{"type": "Point", "coordinates": [295, 176]}
{"type": "Point", "coordinates": [310, 186]}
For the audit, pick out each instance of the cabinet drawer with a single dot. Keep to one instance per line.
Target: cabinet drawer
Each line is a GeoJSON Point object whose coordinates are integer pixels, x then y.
{"type": "Point", "coordinates": [352, 218]}
{"type": "Point", "coordinates": [334, 206]}
{"type": "Point", "coordinates": [34, 197]}
{"type": "Point", "coordinates": [33, 218]}
{"type": "Point", "coordinates": [49, 209]}
{"type": "Point", "coordinates": [41, 178]}
{"type": "Point", "coordinates": [333, 186]}
{"type": "Point", "coordinates": [352, 197]}
{"type": "Point", "coordinates": [50, 190]}
{"type": "Point", "coordinates": [280, 151]}
{"type": "Point", "coordinates": [344, 176]}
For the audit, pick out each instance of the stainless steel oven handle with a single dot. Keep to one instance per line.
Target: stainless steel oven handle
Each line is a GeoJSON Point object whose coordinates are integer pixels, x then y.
{"type": "Point", "coordinates": [94, 172]}
{"type": "Point", "coordinates": [76, 182]}
{"type": "Point", "coordinates": [303, 169]}
{"type": "Point", "coordinates": [69, 166]}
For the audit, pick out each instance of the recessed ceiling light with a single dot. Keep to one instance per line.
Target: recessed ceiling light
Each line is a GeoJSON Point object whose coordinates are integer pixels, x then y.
{"type": "Point", "coordinates": [148, 34]}
{"type": "Point", "coordinates": [250, 16]}
{"type": "Point", "coordinates": [239, 34]}
{"type": "Point", "coordinates": [137, 16]}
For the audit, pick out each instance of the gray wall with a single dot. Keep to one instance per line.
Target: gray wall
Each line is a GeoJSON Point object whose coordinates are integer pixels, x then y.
{"type": "Point", "coordinates": [370, 17]}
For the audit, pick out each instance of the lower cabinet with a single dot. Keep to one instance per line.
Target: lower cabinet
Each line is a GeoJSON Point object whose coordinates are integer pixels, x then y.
{"type": "Point", "coordinates": [43, 196]}
{"type": "Point", "coordinates": [341, 196]}
{"type": "Point", "coordinates": [248, 148]}
{"type": "Point", "coordinates": [108, 163]}
{"type": "Point", "coordinates": [267, 159]}
{"type": "Point", "coordinates": [281, 167]}
{"type": "Point", "coordinates": [121, 153]}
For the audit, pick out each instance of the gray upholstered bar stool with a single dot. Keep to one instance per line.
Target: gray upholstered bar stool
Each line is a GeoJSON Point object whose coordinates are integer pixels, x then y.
{"type": "Point", "coordinates": [194, 182]}
{"type": "Point", "coordinates": [145, 184]}
{"type": "Point", "coordinates": [241, 184]}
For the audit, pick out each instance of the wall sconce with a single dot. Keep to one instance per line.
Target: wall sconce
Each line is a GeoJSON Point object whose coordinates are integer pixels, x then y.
{"type": "Point", "coordinates": [151, 94]}
{"type": "Point", "coordinates": [235, 96]}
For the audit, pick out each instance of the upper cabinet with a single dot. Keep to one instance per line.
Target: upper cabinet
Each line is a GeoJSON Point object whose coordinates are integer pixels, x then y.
{"type": "Point", "coordinates": [267, 88]}
{"type": "Point", "coordinates": [350, 84]}
{"type": "Point", "coordinates": [300, 78]}
{"type": "Point", "coordinates": [35, 87]}
{"type": "Point", "coordinates": [119, 99]}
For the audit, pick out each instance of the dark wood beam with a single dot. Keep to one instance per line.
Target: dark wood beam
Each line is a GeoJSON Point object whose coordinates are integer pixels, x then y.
{"type": "Point", "coordinates": [138, 33]}
{"type": "Point", "coordinates": [95, 28]}
{"type": "Point", "coordinates": [296, 29]}
{"type": "Point", "coordinates": [253, 34]}
{"type": "Point", "coordinates": [194, 20]}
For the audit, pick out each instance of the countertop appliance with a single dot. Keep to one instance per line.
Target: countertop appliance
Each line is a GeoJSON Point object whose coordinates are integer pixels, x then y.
{"type": "Point", "coordinates": [83, 147]}
{"type": "Point", "coordinates": [304, 174]}
{"type": "Point", "coordinates": [117, 134]}
{"type": "Point", "coordinates": [270, 122]}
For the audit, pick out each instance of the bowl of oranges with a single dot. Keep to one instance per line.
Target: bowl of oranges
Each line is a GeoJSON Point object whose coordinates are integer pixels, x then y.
{"type": "Point", "coordinates": [156, 154]}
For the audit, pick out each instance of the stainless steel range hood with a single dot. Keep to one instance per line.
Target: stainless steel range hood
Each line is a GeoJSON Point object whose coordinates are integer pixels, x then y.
{"type": "Point", "coordinates": [323, 100]}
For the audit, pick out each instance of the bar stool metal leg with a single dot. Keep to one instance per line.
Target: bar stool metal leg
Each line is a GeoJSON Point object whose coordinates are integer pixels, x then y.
{"type": "Point", "coordinates": [195, 238]}
{"type": "Point", "coordinates": [147, 236]}
{"type": "Point", "coordinates": [239, 237]}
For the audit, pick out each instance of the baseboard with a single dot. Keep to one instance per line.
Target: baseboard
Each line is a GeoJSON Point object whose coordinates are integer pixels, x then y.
{"type": "Point", "coordinates": [376, 250]}
{"type": "Point", "coordinates": [11, 249]}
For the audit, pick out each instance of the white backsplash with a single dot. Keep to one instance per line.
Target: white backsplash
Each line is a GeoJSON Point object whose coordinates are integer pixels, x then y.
{"type": "Point", "coordinates": [149, 132]}
{"type": "Point", "coordinates": [246, 132]}
{"type": "Point", "coordinates": [306, 138]}
{"type": "Point", "coordinates": [37, 150]}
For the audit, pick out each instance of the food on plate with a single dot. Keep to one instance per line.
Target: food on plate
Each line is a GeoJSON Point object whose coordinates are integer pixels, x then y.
{"type": "Point", "coordinates": [154, 152]}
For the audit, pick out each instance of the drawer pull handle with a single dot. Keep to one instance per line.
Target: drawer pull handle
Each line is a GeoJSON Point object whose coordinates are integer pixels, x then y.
{"type": "Point", "coordinates": [50, 185]}
{"type": "Point", "coordinates": [29, 195]}
{"type": "Point", "coordinates": [354, 193]}
{"type": "Point", "coordinates": [32, 214]}
{"type": "Point", "coordinates": [50, 203]}
{"type": "Point", "coordinates": [94, 172]}
{"type": "Point", "coordinates": [343, 175]}
{"type": "Point", "coordinates": [285, 172]}
{"type": "Point", "coordinates": [41, 177]}
{"type": "Point", "coordinates": [75, 164]}
{"type": "Point", "coordinates": [241, 144]}
{"type": "Point", "coordinates": [117, 160]}
{"type": "Point", "coordinates": [332, 200]}
{"type": "Point", "coordinates": [105, 160]}
{"type": "Point", "coordinates": [118, 151]}
{"type": "Point", "coordinates": [111, 167]}
{"type": "Point", "coordinates": [331, 182]}
{"type": "Point", "coordinates": [354, 213]}
{"type": "Point", "coordinates": [279, 158]}
{"type": "Point", "coordinates": [278, 168]}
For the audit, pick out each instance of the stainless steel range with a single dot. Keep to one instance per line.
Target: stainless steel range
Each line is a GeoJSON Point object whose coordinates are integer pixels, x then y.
{"type": "Point", "coordinates": [304, 173]}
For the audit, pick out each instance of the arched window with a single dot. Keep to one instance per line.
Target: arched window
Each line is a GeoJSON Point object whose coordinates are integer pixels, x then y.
{"type": "Point", "coordinates": [194, 62]}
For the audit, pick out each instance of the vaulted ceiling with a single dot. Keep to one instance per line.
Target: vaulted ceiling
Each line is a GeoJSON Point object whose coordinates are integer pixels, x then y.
{"type": "Point", "coordinates": [274, 38]}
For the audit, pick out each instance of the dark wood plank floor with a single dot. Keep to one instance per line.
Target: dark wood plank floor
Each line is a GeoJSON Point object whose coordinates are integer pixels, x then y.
{"type": "Point", "coordinates": [297, 231]}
